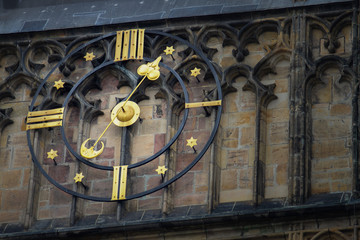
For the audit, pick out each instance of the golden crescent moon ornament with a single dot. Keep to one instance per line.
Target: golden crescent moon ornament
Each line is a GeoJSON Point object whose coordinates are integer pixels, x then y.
{"type": "Point", "coordinates": [89, 153]}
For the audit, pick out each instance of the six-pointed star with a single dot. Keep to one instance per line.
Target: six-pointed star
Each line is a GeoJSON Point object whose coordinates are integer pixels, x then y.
{"type": "Point", "coordinates": [169, 50]}
{"type": "Point", "coordinates": [52, 154]}
{"type": "Point", "coordinates": [59, 84]}
{"type": "Point", "coordinates": [191, 142]}
{"type": "Point", "coordinates": [89, 56]}
{"type": "Point", "coordinates": [195, 72]}
{"type": "Point", "coordinates": [161, 169]}
{"type": "Point", "coordinates": [78, 177]}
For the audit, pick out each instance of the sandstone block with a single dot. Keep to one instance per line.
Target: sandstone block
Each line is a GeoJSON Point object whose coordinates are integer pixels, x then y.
{"type": "Point", "coordinates": [318, 187]}
{"type": "Point", "coordinates": [330, 148]}
{"type": "Point", "coordinates": [184, 185]}
{"type": "Point", "coordinates": [183, 160]}
{"type": "Point", "coordinates": [58, 197]}
{"type": "Point", "coordinates": [247, 136]}
{"type": "Point", "coordinates": [237, 195]}
{"type": "Point", "coordinates": [230, 143]}
{"type": "Point", "coordinates": [14, 199]}
{"type": "Point", "coordinates": [340, 109]}
{"type": "Point", "coordinates": [142, 145]}
{"type": "Point", "coordinates": [5, 157]}
{"type": "Point", "coordinates": [237, 158]}
{"type": "Point", "coordinates": [278, 133]}
{"type": "Point", "coordinates": [231, 133]}
{"type": "Point", "coordinates": [153, 126]}
{"type": "Point", "coordinates": [59, 173]}
{"type": "Point", "coordinates": [277, 115]}
{"type": "Point", "coordinates": [276, 192]}
{"type": "Point", "coordinates": [9, 217]}
{"type": "Point", "coordinates": [229, 179]}
{"type": "Point", "coordinates": [11, 178]}
{"type": "Point", "coordinates": [281, 174]}
{"type": "Point", "coordinates": [190, 199]}
{"type": "Point", "coordinates": [150, 203]}
{"type": "Point", "coordinates": [240, 118]}
{"type": "Point", "coordinates": [93, 208]}
{"type": "Point", "coordinates": [277, 154]}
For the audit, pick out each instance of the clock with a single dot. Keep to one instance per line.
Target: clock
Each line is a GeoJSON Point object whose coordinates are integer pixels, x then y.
{"type": "Point", "coordinates": [109, 118]}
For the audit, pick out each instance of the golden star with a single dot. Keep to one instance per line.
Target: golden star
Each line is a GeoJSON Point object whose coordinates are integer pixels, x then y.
{"type": "Point", "coordinates": [191, 142]}
{"type": "Point", "coordinates": [89, 56]}
{"type": "Point", "coordinates": [195, 72]}
{"type": "Point", "coordinates": [169, 50]}
{"type": "Point", "coordinates": [52, 154]}
{"type": "Point", "coordinates": [59, 84]}
{"type": "Point", "coordinates": [78, 177]}
{"type": "Point", "coordinates": [161, 169]}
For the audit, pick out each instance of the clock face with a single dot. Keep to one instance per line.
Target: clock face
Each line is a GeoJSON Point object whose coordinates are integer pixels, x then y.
{"type": "Point", "coordinates": [124, 107]}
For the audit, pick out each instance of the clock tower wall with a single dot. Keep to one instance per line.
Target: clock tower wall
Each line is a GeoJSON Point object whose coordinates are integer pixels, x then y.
{"type": "Point", "coordinates": [283, 163]}
{"type": "Point", "coordinates": [16, 166]}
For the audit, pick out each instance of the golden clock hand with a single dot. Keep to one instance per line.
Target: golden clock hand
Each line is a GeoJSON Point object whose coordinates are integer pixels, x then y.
{"type": "Point", "coordinates": [149, 70]}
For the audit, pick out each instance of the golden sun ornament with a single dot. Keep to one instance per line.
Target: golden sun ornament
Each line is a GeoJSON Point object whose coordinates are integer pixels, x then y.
{"type": "Point", "coordinates": [59, 84]}
{"type": "Point", "coordinates": [89, 56]}
{"type": "Point", "coordinates": [52, 154]}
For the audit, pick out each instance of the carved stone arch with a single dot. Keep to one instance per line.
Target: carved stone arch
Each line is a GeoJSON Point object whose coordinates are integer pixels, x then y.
{"type": "Point", "coordinates": [251, 32]}
{"type": "Point", "coordinates": [8, 87]}
{"type": "Point", "coordinates": [264, 95]}
{"type": "Point", "coordinates": [341, 21]}
{"type": "Point", "coordinates": [185, 67]}
{"type": "Point", "coordinates": [317, 114]}
{"type": "Point", "coordinates": [155, 45]}
{"type": "Point", "coordinates": [330, 234]}
{"type": "Point", "coordinates": [317, 22]}
{"type": "Point", "coordinates": [234, 143]}
{"type": "Point", "coordinates": [315, 75]}
{"type": "Point", "coordinates": [12, 53]}
{"type": "Point", "coordinates": [318, 30]}
{"type": "Point", "coordinates": [231, 73]}
{"type": "Point", "coordinates": [5, 118]}
{"type": "Point", "coordinates": [286, 28]}
{"type": "Point", "coordinates": [100, 49]}
{"type": "Point", "coordinates": [331, 38]}
{"type": "Point", "coordinates": [226, 33]}
{"type": "Point", "coordinates": [41, 54]}
{"type": "Point", "coordinates": [268, 63]}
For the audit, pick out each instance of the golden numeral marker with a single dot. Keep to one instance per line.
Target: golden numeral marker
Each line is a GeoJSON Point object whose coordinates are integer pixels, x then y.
{"type": "Point", "coordinates": [125, 49]}
{"type": "Point", "coordinates": [203, 104]}
{"type": "Point", "coordinates": [45, 118]}
{"type": "Point", "coordinates": [119, 182]}
{"type": "Point", "coordinates": [129, 44]}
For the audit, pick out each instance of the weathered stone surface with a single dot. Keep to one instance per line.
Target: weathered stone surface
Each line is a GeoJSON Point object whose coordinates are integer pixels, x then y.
{"type": "Point", "coordinates": [14, 199]}
{"type": "Point", "coordinates": [11, 179]}
{"type": "Point", "coordinates": [267, 157]}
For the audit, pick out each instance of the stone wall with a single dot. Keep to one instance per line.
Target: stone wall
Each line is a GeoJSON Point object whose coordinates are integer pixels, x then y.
{"type": "Point", "coordinates": [285, 154]}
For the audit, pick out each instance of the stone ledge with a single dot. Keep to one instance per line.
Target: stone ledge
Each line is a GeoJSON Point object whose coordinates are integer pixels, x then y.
{"type": "Point", "coordinates": [192, 217]}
